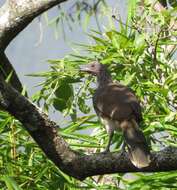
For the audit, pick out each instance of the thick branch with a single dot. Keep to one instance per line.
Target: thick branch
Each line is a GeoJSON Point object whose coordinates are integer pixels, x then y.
{"type": "Point", "coordinates": [16, 15]}
{"type": "Point", "coordinates": [97, 164]}
{"type": "Point", "coordinates": [44, 132]}
{"type": "Point", "coordinates": [7, 69]}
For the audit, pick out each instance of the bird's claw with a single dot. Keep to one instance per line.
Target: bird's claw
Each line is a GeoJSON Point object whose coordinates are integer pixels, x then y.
{"type": "Point", "coordinates": [106, 151]}
{"type": "Point", "coordinates": [122, 152]}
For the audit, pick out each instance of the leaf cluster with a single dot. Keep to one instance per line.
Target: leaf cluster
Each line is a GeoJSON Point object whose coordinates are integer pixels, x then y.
{"type": "Point", "coordinates": [139, 53]}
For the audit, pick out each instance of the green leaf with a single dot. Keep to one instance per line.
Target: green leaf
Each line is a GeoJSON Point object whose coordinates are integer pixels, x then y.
{"type": "Point", "coordinates": [59, 104]}
{"type": "Point", "coordinates": [131, 9]}
{"type": "Point", "coordinates": [10, 183]}
{"type": "Point", "coordinates": [64, 96]}
{"type": "Point", "coordinates": [82, 106]}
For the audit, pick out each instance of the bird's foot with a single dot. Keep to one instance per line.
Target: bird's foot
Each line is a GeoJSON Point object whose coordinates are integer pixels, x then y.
{"type": "Point", "coordinates": [106, 151]}
{"type": "Point", "coordinates": [123, 150]}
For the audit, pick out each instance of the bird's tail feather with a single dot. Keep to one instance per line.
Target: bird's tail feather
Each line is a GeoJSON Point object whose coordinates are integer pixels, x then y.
{"type": "Point", "coordinates": [137, 147]}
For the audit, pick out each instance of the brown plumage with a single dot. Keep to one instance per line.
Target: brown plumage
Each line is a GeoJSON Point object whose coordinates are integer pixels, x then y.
{"type": "Point", "coordinates": [118, 108]}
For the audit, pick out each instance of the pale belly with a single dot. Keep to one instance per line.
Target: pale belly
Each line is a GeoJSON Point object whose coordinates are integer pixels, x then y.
{"type": "Point", "coordinates": [110, 125]}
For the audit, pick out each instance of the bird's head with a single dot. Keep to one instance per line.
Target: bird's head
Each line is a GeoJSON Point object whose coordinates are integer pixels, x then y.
{"type": "Point", "coordinates": [94, 68]}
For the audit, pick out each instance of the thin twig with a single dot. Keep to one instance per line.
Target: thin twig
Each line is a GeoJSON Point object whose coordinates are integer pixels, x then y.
{"type": "Point", "coordinates": [40, 32]}
{"type": "Point", "coordinates": [155, 47]}
{"type": "Point", "coordinates": [132, 27]}
{"type": "Point", "coordinates": [96, 15]}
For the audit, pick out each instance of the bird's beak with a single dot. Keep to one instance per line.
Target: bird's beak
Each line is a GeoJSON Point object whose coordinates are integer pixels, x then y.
{"type": "Point", "coordinates": [84, 68]}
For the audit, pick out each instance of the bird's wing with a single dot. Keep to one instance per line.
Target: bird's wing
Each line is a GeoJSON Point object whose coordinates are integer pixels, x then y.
{"type": "Point", "coordinates": [117, 102]}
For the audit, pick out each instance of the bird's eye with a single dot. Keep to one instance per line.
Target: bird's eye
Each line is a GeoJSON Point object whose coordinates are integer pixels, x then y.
{"type": "Point", "coordinates": [92, 65]}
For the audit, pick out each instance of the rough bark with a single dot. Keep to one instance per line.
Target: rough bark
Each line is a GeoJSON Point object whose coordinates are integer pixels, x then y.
{"type": "Point", "coordinates": [7, 69]}
{"type": "Point", "coordinates": [45, 133]}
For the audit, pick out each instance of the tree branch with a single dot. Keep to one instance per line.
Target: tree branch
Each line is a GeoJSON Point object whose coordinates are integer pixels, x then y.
{"type": "Point", "coordinates": [7, 69]}
{"type": "Point", "coordinates": [44, 132]}
{"type": "Point", "coordinates": [16, 15]}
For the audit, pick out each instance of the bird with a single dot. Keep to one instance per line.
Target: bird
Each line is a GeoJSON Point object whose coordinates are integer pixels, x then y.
{"type": "Point", "coordinates": [119, 109]}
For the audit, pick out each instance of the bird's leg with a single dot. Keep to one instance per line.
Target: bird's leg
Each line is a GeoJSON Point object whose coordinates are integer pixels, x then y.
{"type": "Point", "coordinates": [123, 148]}
{"type": "Point", "coordinates": [111, 133]}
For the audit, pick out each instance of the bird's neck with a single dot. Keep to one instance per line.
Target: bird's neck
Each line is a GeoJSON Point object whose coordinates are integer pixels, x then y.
{"type": "Point", "coordinates": [103, 79]}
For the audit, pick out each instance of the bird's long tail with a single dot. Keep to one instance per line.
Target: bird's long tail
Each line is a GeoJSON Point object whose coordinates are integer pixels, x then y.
{"type": "Point", "coordinates": [137, 147]}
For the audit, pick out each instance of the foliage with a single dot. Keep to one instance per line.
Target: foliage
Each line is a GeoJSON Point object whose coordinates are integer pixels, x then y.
{"type": "Point", "coordinates": [74, 13]}
{"type": "Point", "coordinates": [137, 53]}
